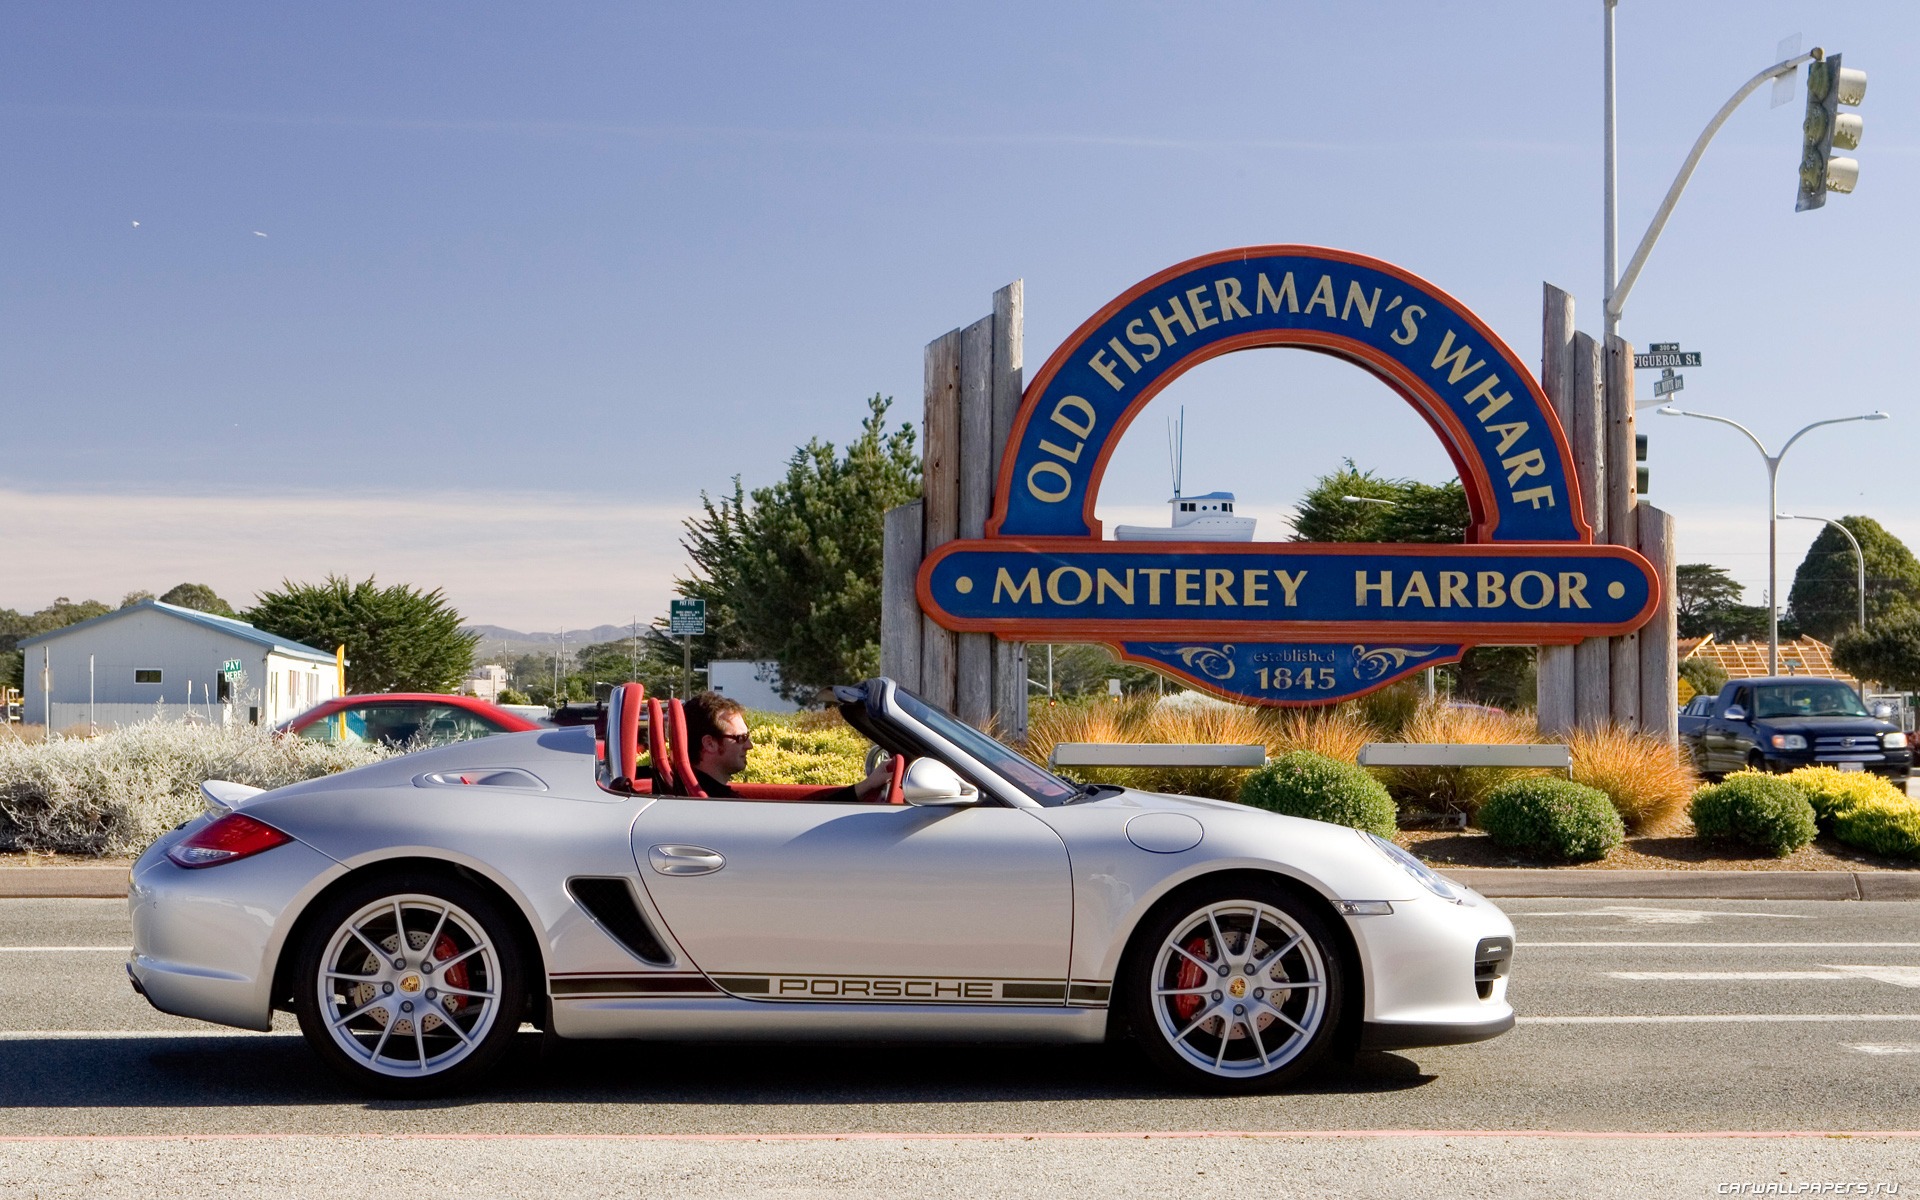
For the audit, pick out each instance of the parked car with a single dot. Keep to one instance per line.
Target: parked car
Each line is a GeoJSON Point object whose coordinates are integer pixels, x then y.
{"type": "Point", "coordinates": [402, 718]}
{"type": "Point", "coordinates": [414, 912]}
{"type": "Point", "coordinates": [1693, 719]}
{"type": "Point", "coordinates": [1782, 722]}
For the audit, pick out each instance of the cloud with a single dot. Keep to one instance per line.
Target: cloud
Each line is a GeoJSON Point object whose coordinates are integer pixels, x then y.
{"type": "Point", "coordinates": [526, 561]}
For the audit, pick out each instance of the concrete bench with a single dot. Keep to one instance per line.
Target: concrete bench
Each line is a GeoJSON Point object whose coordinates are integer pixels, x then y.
{"type": "Point", "coordinates": [1155, 754]}
{"type": "Point", "coordinates": [1421, 754]}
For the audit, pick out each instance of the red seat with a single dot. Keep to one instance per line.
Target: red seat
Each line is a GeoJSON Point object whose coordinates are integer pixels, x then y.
{"type": "Point", "coordinates": [626, 738]}
{"type": "Point", "coordinates": [687, 783]}
{"type": "Point", "coordinates": [663, 781]}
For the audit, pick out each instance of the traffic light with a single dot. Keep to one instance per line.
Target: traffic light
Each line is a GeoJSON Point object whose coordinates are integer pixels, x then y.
{"type": "Point", "coordinates": [1640, 457]}
{"type": "Point", "coordinates": [1828, 87]}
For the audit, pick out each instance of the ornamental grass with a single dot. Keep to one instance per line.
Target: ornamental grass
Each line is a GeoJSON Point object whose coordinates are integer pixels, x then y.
{"type": "Point", "coordinates": [1648, 781]}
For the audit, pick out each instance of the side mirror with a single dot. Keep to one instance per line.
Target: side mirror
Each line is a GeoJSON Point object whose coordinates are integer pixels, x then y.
{"type": "Point", "coordinates": [933, 784]}
{"type": "Point", "coordinates": [1735, 713]}
{"type": "Point", "coordinates": [1883, 711]}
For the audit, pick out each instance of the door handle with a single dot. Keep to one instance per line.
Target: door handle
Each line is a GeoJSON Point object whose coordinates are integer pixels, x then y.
{"type": "Point", "coordinates": [685, 860]}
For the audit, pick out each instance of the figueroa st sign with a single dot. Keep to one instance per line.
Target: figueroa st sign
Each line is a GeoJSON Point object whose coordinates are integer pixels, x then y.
{"type": "Point", "coordinates": [1289, 622]}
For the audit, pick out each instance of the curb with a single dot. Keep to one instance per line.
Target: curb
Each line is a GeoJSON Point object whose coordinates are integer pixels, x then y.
{"type": "Point", "coordinates": [1514, 883]}
{"type": "Point", "coordinates": [110, 883]}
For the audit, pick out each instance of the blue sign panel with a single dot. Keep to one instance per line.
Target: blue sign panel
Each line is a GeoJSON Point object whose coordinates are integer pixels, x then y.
{"type": "Point", "coordinates": [1280, 674]}
{"type": "Point", "coordinates": [1105, 591]}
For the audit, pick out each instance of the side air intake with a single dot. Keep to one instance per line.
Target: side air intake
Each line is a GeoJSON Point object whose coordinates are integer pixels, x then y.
{"type": "Point", "coordinates": [610, 903]}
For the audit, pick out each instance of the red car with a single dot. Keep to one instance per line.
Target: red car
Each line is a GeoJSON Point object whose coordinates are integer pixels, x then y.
{"type": "Point", "coordinates": [403, 718]}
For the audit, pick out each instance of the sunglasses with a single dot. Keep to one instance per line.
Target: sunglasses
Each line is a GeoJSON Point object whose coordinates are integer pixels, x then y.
{"type": "Point", "coordinates": [744, 739]}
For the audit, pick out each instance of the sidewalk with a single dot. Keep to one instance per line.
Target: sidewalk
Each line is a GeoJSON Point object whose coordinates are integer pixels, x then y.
{"type": "Point", "coordinates": [110, 882]}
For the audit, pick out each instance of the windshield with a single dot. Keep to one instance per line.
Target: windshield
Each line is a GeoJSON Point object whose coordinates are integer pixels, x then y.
{"type": "Point", "coordinates": [1042, 785]}
{"type": "Point", "coordinates": [1807, 700]}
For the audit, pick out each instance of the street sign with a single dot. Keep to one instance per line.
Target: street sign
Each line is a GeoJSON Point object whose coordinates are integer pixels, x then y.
{"type": "Point", "coordinates": [1668, 384]}
{"type": "Point", "coordinates": [1657, 347]}
{"type": "Point", "coordinates": [232, 669]}
{"type": "Point", "coordinates": [1666, 358]}
{"type": "Point", "coordinates": [687, 618]}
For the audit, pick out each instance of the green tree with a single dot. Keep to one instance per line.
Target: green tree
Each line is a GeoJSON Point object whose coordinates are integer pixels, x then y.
{"type": "Point", "coordinates": [1888, 653]}
{"type": "Point", "coordinates": [792, 572]}
{"type": "Point", "coordinates": [199, 597]}
{"type": "Point", "coordinates": [1707, 601]}
{"type": "Point", "coordinates": [1706, 677]}
{"type": "Point", "coordinates": [1825, 600]}
{"type": "Point", "coordinates": [398, 639]}
{"type": "Point", "coordinates": [134, 597]}
{"type": "Point", "coordinates": [1083, 670]}
{"type": "Point", "coordinates": [1408, 511]}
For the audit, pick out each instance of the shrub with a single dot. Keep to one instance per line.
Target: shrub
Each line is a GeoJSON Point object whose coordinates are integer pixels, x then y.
{"type": "Point", "coordinates": [810, 748]}
{"type": "Point", "coordinates": [115, 793]}
{"type": "Point", "coordinates": [1554, 817]}
{"type": "Point", "coordinates": [1457, 789]}
{"type": "Point", "coordinates": [1829, 790]}
{"type": "Point", "coordinates": [1763, 811]}
{"type": "Point", "coordinates": [1305, 784]}
{"type": "Point", "coordinates": [1648, 781]}
{"type": "Point", "coordinates": [1881, 825]}
{"type": "Point", "coordinates": [1706, 676]}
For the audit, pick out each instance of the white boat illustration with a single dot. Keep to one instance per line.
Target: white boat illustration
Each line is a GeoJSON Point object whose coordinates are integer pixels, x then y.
{"type": "Point", "coordinates": [1207, 518]}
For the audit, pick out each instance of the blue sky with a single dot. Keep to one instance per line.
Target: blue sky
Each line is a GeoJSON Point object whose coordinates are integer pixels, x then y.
{"type": "Point", "coordinates": [529, 275]}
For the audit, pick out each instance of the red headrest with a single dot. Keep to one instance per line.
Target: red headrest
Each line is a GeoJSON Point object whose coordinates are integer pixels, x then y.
{"type": "Point", "coordinates": [682, 757]}
{"type": "Point", "coordinates": [623, 740]}
{"type": "Point", "coordinates": [657, 749]}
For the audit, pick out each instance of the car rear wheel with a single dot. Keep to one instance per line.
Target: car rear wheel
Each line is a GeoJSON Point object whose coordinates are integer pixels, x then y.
{"type": "Point", "coordinates": [410, 986]}
{"type": "Point", "coordinates": [1234, 987]}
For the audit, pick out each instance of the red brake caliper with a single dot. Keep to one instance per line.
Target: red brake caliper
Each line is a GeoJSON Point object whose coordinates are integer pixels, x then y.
{"type": "Point", "coordinates": [455, 977]}
{"type": "Point", "coordinates": [1190, 976]}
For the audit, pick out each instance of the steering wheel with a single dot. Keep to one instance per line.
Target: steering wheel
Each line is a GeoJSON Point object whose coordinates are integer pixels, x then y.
{"type": "Point", "coordinates": [874, 755]}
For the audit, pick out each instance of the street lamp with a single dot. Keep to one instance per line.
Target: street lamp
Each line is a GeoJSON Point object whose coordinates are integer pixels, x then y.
{"type": "Point", "coordinates": [1773, 510]}
{"type": "Point", "coordinates": [1859, 558]}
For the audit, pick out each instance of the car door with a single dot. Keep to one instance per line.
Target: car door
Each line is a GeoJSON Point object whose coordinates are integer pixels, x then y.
{"type": "Point", "coordinates": [868, 902]}
{"type": "Point", "coordinates": [1726, 750]}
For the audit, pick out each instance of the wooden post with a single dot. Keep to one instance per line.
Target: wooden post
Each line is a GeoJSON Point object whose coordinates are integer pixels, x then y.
{"type": "Point", "coordinates": [1659, 668]}
{"type": "Point", "coordinates": [973, 659]}
{"type": "Point", "coordinates": [899, 606]}
{"type": "Point", "coordinates": [940, 492]}
{"type": "Point", "coordinates": [1622, 518]}
{"type": "Point", "coordinates": [1593, 692]}
{"type": "Point", "coordinates": [1555, 689]}
{"type": "Point", "coordinates": [1009, 348]}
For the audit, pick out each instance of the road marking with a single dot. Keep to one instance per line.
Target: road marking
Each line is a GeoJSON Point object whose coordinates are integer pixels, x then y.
{"type": "Point", "coordinates": [1908, 977]}
{"type": "Point", "coordinates": [1641, 914]}
{"type": "Point", "coordinates": [1888, 1048]}
{"type": "Point", "coordinates": [1729, 945]}
{"type": "Point", "coordinates": [1719, 1018]}
{"type": "Point", "coordinates": [66, 949]}
{"type": "Point", "coordinates": [1051, 1135]}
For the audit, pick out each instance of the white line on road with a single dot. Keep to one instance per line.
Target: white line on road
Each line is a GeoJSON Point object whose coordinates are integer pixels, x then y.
{"type": "Point", "coordinates": [1728, 945]}
{"type": "Point", "coordinates": [65, 949]}
{"type": "Point", "coordinates": [1888, 1048]}
{"type": "Point", "coordinates": [1908, 977]}
{"type": "Point", "coordinates": [1719, 1018]}
{"type": "Point", "coordinates": [1645, 914]}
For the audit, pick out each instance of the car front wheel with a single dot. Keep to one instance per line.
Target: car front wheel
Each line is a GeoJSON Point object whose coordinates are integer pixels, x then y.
{"type": "Point", "coordinates": [1235, 986]}
{"type": "Point", "coordinates": [410, 986]}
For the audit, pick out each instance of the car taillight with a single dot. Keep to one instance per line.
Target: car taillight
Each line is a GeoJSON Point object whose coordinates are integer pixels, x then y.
{"type": "Point", "coordinates": [231, 837]}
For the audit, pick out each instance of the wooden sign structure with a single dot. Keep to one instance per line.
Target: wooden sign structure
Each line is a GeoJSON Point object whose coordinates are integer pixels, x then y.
{"type": "Point", "coordinates": [1278, 623]}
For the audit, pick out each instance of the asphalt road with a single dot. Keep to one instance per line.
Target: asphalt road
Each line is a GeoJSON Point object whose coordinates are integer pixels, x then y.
{"type": "Point", "coordinates": [1652, 1033]}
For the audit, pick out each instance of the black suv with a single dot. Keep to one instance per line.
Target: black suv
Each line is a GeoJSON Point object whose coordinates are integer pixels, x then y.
{"type": "Point", "coordinates": [1787, 721]}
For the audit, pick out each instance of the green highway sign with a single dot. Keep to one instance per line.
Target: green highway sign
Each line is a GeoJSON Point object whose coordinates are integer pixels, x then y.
{"type": "Point", "coordinates": [687, 618]}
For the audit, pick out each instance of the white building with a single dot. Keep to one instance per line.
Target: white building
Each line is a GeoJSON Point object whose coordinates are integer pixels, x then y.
{"type": "Point", "coordinates": [113, 670]}
{"type": "Point", "coordinates": [486, 682]}
{"type": "Point", "coordinates": [755, 685]}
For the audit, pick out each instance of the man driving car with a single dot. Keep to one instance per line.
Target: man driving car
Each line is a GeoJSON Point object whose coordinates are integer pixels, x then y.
{"type": "Point", "coordinates": [718, 741]}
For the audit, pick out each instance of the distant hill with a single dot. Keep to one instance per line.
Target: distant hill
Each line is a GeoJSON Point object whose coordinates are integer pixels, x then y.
{"type": "Point", "coordinates": [497, 642]}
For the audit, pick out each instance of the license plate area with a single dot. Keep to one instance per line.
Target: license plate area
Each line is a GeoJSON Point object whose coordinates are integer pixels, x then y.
{"type": "Point", "coordinates": [1849, 766]}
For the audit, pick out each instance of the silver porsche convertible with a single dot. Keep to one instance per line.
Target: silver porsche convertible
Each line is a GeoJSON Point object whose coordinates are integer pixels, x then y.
{"type": "Point", "coordinates": [417, 912]}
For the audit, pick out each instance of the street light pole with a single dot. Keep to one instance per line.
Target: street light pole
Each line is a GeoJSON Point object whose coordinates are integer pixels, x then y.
{"type": "Point", "coordinates": [1859, 558]}
{"type": "Point", "coordinates": [1616, 285]}
{"type": "Point", "coordinates": [1773, 510]}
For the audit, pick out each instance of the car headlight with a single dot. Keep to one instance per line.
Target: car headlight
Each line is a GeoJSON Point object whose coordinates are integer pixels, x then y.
{"type": "Point", "coordinates": [1788, 741]}
{"type": "Point", "coordinates": [1427, 877]}
{"type": "Point", "coordinates": [1894, 741]}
